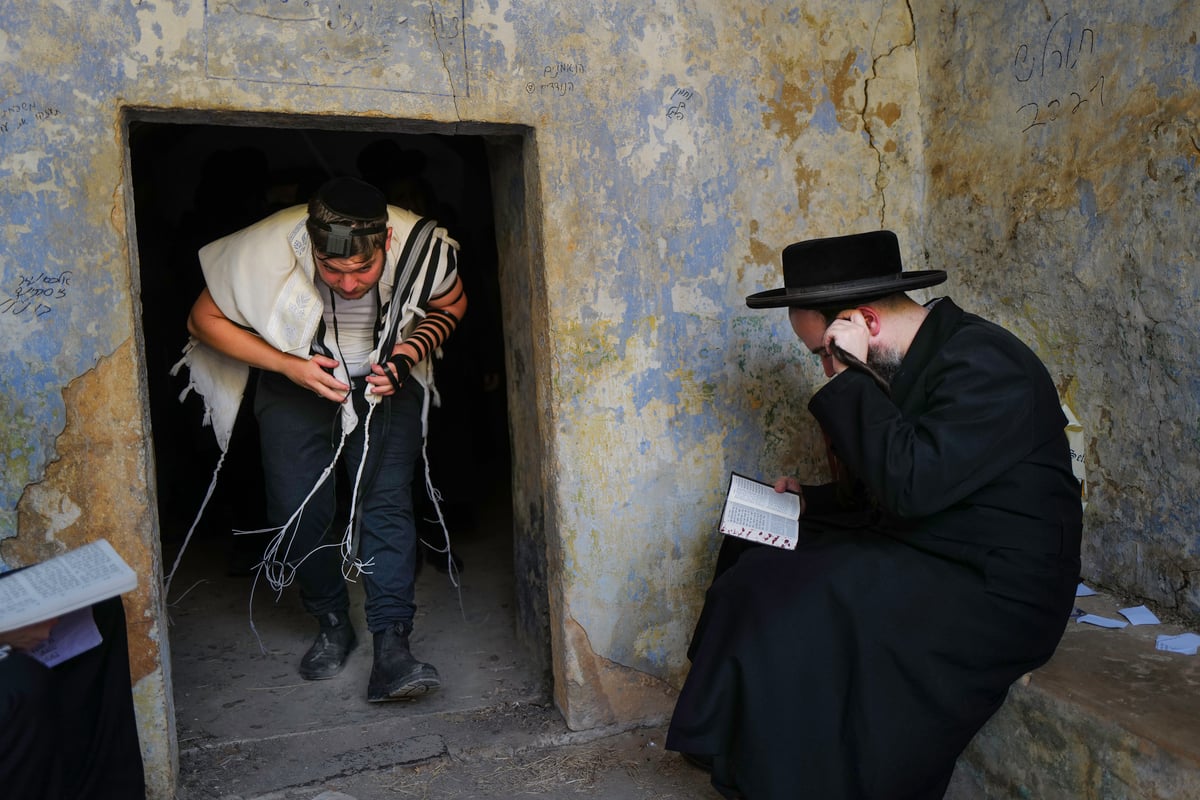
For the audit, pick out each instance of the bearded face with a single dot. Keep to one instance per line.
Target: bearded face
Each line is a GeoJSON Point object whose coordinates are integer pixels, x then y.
{"type": "Point", "coordinates": [885, 360]}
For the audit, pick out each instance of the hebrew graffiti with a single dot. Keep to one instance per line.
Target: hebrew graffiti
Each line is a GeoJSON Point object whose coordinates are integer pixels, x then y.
{"type": "Point", "coordinates": [1057, 75]}
{"type": "Point", "coordinates": [35, 295]}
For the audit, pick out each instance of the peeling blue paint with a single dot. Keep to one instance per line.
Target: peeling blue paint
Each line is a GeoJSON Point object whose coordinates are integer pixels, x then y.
{"type": "Point", "coordinates": [637, 228]}
{"type": "Point", "coordinates": [30, 421]}
{"type": "Point", "coordinates": [52, 281]}
{"type": "Point", "coordinates": [824, 117]}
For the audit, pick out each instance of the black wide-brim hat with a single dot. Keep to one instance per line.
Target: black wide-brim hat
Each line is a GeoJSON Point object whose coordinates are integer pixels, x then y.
{"type": "Point", "coordinates": [819, 273]}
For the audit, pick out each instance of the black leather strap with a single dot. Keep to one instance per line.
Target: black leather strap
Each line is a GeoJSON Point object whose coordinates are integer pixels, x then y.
{"type": "Point", "coordinates": [402, 366]}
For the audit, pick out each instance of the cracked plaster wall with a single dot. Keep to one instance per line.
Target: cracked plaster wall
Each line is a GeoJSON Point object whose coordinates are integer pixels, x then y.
{"type": "Point", "coordinates": [1064, 174]}
{"type": "Point", "coordinates": [674, 151]}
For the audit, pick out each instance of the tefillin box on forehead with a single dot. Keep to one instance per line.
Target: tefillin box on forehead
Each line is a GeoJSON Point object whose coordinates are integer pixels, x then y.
{"type": "Point", "coordinates": [361, 207]}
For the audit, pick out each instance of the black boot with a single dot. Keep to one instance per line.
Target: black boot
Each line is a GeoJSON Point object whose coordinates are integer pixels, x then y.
{"type": "Point", "coordinates": [396, 675]}
{"type": "Point", "coordinates": [328, 653]}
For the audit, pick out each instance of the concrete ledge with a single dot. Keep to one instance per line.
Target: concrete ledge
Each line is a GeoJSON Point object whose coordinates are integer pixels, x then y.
{"type": "Point", "coordinates": [1109, 718]}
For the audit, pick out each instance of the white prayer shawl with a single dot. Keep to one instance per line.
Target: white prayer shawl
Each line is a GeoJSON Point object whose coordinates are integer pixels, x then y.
{"type": "Point", "coordinates": [262, 278]}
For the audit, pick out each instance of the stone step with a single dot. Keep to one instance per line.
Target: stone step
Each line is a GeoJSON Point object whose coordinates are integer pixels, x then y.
{"type": "Point", "coordinates": [1109, 718]}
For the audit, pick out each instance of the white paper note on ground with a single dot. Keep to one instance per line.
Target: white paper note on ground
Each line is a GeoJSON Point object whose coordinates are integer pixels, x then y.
{"type": "Point", "coordinates": [1186, 643]}
{"type": "Point", "coordinates": [1102, 622]}
{"type": "Point", "coordinates": [1139, 615]}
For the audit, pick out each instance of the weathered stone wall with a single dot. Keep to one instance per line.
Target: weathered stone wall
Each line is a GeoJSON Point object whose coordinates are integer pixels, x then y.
{"type": "Point", "coordinates": [732, 134]}
{"type": "Point", "coordinates": [1064, 173]}
{"type": "Point", "coordinates": [667, 153]}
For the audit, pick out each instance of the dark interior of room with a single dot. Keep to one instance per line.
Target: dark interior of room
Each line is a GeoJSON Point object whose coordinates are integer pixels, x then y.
{"type": "Point", "coordinates": [194, 183]}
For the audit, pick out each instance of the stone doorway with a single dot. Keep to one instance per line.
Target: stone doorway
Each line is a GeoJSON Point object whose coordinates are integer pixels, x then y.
{"type": "Point", "coordinates": [233, 646]}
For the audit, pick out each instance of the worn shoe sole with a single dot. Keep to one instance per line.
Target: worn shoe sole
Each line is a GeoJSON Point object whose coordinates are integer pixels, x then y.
{"type": "Point", "coordinates": [424, 682]}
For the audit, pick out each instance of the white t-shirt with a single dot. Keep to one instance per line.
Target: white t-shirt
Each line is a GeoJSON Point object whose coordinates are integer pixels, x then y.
{"type": "Point", "coordinates": [352, 323]}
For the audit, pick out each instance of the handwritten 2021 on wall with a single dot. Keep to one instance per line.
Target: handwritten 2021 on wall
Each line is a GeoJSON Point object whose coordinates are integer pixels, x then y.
{"type": "Point", "coordinates": [1058, 75]}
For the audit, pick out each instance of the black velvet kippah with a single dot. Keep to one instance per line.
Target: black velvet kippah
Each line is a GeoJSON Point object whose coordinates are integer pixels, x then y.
{"type": "Point", "coordinates": [353, 199]}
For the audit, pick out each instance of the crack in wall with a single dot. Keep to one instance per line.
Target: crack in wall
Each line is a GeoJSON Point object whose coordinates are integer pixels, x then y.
{"type": "Point", "coordinates": [1185, 587]}
{"type": "Point", "coordinates": [445, 62]}
{"type": "Point", "coordinates": [880, 180]}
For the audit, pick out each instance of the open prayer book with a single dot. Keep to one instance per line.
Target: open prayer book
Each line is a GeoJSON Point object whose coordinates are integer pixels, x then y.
{"type": "Point", "coordinates": [755, 511]}
{"type": "Point", "coordinates": [63, 584]}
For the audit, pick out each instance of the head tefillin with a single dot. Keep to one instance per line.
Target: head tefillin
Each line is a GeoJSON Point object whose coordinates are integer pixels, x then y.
{"type": "Point", "coordinates": [354, 200]}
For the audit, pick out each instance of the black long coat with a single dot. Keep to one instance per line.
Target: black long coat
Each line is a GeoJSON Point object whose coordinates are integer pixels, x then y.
{"type": "Point", "coordinates": [861, 664]}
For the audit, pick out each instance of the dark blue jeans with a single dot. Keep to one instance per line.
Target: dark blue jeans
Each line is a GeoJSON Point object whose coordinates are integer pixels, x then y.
{"type": "Point", "coordinates": [299, 432]}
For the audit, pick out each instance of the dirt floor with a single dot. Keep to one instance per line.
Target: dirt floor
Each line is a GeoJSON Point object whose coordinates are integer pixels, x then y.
{"type": "Point", "coordinates": [250, 727]}
{"type": "Point", "coordinates": [488, 755]}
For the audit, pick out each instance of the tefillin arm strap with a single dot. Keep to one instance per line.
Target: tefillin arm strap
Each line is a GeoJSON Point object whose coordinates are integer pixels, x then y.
{"type": "Point", "coordinates": [425, 338]}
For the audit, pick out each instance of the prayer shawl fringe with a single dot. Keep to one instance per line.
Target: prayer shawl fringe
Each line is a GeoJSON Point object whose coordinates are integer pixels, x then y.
{"type": "Point", "coordinates": [262, 278]}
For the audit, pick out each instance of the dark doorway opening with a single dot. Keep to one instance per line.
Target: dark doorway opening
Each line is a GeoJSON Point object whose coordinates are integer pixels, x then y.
{"type": "Point", "coordinates": [234, 645]}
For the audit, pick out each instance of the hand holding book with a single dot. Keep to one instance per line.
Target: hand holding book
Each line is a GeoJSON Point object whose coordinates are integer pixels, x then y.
{"type": "Point", "coordinates": [757, 512]}
{"type": "Point", "coordinates": [30, 636]}
{"type": "Point", "coordinates": [791, 485]}
{"type": "Point", "coordinates": [46, 609]}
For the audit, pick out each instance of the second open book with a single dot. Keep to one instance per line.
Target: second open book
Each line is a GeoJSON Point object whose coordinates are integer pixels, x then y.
{"type": "Point", "coordinates": [755, 511]}
{"type": "Point", "coordinates": [65, 583]}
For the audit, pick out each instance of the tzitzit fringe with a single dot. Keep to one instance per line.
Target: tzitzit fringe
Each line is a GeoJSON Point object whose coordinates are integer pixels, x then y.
{"type": "Point", "coordinates": [277, 567]}
{"type": "Point", "coordinates": [212, 486]}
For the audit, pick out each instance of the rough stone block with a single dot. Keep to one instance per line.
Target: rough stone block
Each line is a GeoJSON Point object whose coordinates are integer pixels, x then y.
{"type": "Point", "coordinates": [1109, 718]}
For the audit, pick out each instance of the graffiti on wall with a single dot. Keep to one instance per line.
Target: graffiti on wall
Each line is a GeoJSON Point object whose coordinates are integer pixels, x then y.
{"type": "Point", "coordinates": [678, 102]}
{"type": "Point", "coordinates": [557, 78]}
{"type": "Point", "coordinates": [18, 114]}
{"type": "Point", "coordinates": [1058, 75]}
{"type": "Point", "coordinates": [34, 296]}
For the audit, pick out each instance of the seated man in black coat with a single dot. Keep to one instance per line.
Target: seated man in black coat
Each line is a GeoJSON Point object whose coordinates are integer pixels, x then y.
{"type": "Point", "coordinates": [861, 664]}
{"type": "Point", "coordinates": [68, 732]}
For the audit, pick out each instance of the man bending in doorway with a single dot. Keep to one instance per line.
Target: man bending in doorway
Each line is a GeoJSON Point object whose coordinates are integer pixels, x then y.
{"type": "Point", "coordinates": [340, 305]}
